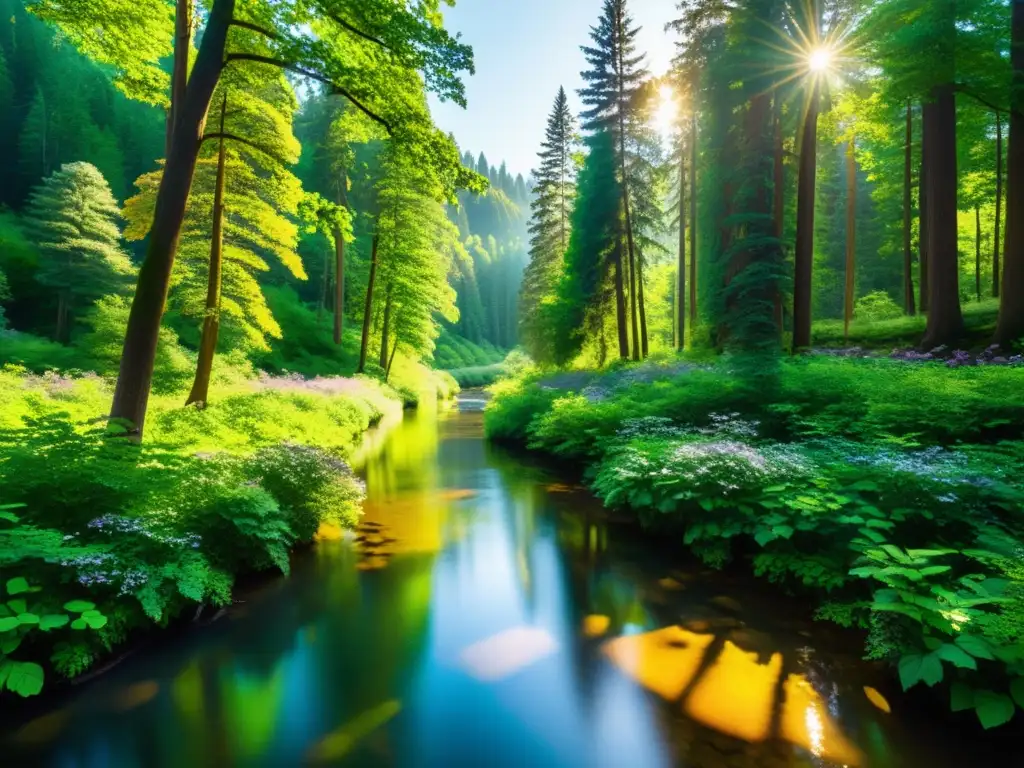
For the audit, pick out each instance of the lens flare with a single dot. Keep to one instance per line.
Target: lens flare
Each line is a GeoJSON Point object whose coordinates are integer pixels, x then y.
{"type": "Point", "coordinates": [820, 59]}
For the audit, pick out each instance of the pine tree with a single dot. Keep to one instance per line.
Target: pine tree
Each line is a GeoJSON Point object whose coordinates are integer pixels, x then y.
{"type": "Point", "coordinates": [554, 190]}
{"type": "Point", "coordinates": [615, 82]}
{"type": "Point", "coordinates": [74, 219]}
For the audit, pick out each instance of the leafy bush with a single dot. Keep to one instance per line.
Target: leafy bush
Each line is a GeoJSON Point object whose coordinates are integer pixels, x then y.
{"type": "Point", "coordinates": [876, 306]}
{"type": "Point", "coordinates": [311, 485]}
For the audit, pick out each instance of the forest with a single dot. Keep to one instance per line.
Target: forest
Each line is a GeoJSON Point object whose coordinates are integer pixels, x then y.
{"type": "Point", "coordinates": [766, 307]}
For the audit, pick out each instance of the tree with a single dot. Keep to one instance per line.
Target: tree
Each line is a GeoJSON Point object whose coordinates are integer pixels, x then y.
{"type": "Point", "coordinates": [612, 96]}
{"type": "Point", "coordinates": [1010, 327]}
{"type": "Point", "coordinates": [359, 50]}
{"type": "Point", "coordinates": [74, 219]}
{"type": "Point", "coordinates": [593, 276]}
{"type": "Point", "coordinates": [552, 206]}
{"type": "Point", "coordinates": [241, 209]}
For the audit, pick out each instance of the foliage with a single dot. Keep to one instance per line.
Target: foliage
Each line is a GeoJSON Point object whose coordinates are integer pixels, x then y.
{"type": "Point", "coordinates": [877, 306]}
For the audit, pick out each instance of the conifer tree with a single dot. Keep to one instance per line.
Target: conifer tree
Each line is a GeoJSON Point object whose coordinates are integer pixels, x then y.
{"type": "Point", "coordinates": [554, 191]}
{"type": "Point", "coordinates": [615, 81]}
{"type": "Point", "coordinates": [74, 219]}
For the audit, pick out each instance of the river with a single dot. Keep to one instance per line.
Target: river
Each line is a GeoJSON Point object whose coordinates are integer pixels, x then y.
{"type": "Point", "coordinates": [486, 614]}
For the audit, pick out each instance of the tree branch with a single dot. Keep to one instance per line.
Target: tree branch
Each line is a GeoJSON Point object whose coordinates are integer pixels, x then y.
{"type": "Point", "coordinates": [290, 67]}
{"type": "Point", "coordinates": [234, 137]}
{"type": "Point", "coordinates": [255, 28]}
{"type": "Point", "coordinates": [966, 91]}
{"type": "Point", "coordinates": [358, 32]}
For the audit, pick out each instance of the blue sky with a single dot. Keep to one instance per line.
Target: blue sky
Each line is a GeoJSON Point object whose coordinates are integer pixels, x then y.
{"type": "Point", "coordinates": [525, 49]}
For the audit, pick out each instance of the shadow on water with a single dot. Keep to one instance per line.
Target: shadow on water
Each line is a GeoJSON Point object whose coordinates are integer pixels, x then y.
{"type": "Point", "coordinates": [485, 614]}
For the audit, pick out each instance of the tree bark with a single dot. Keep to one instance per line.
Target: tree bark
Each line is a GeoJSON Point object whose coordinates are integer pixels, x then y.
{"type": "Point", "coordinates": [131, 395]}
{"type": "Point", "coordinates": [804, 254]}
{"type": "Point", "coordinates": [211, 320]}
{"type": "Point", "coordinates": [680, 329]}
{"type": "Point", "coordinates": [179, 67]}
{"type": "Point", "coordinates": [339, 286]}
{"type": "Point", "coordinates": [945, 323]}
{"type": "Point", "coordinates": [385, 333]}
{"type": "Point", "coordinates": [368, 308]}
{"type": "Point", "coordinates": [620, 34]}
{"type": "Point", "coordinates": [693, 223]}
{"type": "Point", "coordinates": [391, 360]}
{"type": "Point", "coordinates": [908, 216]}
{"type": "Point", "coordinates": [1010, 327]}
{"type": "Point", "coordinates": [977, 252]}
{"type": "Point", "coordinates": [851, 237]}
{"type": "Point", "coordinates": [996, 266]}
{"type": "Point", "coordinates": [61, 332]}
{"type": "Point", "coordinates": [640, 304]}
{"type": "Point", "coordinates": [620, 303]}
{"type": "Point", "coordinates": [778, 194]}
{"type": "Point", "coordinates": [922, 222]}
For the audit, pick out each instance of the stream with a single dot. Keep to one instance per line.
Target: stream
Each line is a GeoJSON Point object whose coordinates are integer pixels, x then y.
{"type": "Point", "coordinates": [486, 613]}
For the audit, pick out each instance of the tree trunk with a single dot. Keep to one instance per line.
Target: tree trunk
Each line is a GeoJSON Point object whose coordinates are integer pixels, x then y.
{"type": "Point", "coordinates": [693, 223]}
{"type": "Point", "coordinates": [211, 320]}
{"type": "Point", "coordinates": [680, 329]}
{"type": "Point", "coordinates": [131, 395]}
{"type": "Point", "coordinates": [922, 222]}
{"type": "Point", "coordinates": [325, 280]}
{"type": "Point", "coordinates": [1010, 327]}
{"type": "Point", "coordinates": [778, 195]}
{"type": "Point", "coordinates": [996, 266]}
{"type": "Point", "coordinates": [977, 252]}
{"type": "Point", "coordinates": [640, 304]}
{"type": "Point", "coordinates": [851, 237]}
{"type": "Point", "coordinates": [368, 308]}
{"type": "Point", "coordinates": [179, 67]}
{"type": "Point", "coordinates": [339, 286]}
{"type": "Point", "coordinates": [620, 303]}
{"type": "Point", "coordinates": [945, 323]}
{"type": "Point", "coordinates": [804, 254]}
{"type": "Point", "coordinates": [61, 332]}
{"type": "Point", "coordinates": [619, 33]}
{"type": "Point", "coordinates": [391, 360]}
{"type": "Point", "coordinates": [385, 333]}
{"type": "Point", "coordinates": [908, 216]}
{"type": "Point", "coordinates": [634, 327]}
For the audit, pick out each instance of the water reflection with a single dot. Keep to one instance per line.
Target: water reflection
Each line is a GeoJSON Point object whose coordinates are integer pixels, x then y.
{"type": "Point", "coordinates": [482, 615]}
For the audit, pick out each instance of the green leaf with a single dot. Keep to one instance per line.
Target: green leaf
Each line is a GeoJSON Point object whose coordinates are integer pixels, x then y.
{"type": "Point", "coordinates": [993, 709]}
{"type": "Point", "coordinates": [865, 572]}
{"type": "Point", "coordinates": [28, 618]}
{"type": "Point", "coordinates": [915, 668]}
{"type": "Point", "coordinates": [1017, 691]}
{"type": "Point", "coordinates": [17, 586]}
{"type": "Point", "coordinates": [934, 570]}
{"type": "Point", "coordinates": [24, 678]}
{"type": "Point", "coordinates": [784, 531]}
{"type": "Point", "coordinates": [976, 646]}
{"type": "Point", "coordinates": [53, 621]}
{"type": "Point", "coordinates": [895, 553]}
{"type": "Point", "coordinates": [957, 656]}
{"type": "Point", "coordinates": [18, 606]}
{"type": "Point", "coordinates": [79, 606]}
{"type": "Point", "coordinates": [9, 623]}
{"type": "Point", "coordinates": [764, 537]}
{"type": "Point", "coordinates": [961, 697]}
{"type": "Point", "coordinates": [9, 643]}
{"type": "Point", "coordinates": [79, 624]}
{"type": "Point", "coordinates": [96, 622]}
{"type": "Point", "coordinates": [875, 536]}
{"type": "Point", "coordinates": [863, 485]}
{"type": "Point", "coordinates": [93, 612]}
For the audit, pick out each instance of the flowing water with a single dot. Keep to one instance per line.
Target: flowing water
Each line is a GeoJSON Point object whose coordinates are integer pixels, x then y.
{"type": "Point", "coordinates": [487, 614]}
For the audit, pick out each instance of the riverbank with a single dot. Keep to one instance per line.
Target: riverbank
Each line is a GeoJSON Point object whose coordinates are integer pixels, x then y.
{"type": "Point", "coordinates": [101, 540]}
{"type": "Point", "coordinates": [883, 491]}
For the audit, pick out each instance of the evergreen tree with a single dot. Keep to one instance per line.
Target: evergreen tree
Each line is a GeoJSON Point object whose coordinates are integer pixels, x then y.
{"type": "Point", "coordinates": [554, 190]}
{"type": "Point", "coordinates": [74, 219]}
{"type": "Point", "coordinates": [593, 276]}
{"type": "Point", "coordinates": [615, 80]}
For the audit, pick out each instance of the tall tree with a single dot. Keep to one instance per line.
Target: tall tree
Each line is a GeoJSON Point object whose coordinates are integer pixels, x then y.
{"type": "Point", "coordinates": [1010, 327]}
{"type": "Point", "coordinates": [613, 92]}
{"type": "Point", "coordinates": [554, 190]}
{"type": "Point", "coordinates": [74, 219]}
{"type": "Point", "coordinates": [357, 49]}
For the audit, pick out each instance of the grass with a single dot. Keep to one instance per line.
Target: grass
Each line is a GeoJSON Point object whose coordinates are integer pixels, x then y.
{"type": "Point", "coordinates": [979, 322]}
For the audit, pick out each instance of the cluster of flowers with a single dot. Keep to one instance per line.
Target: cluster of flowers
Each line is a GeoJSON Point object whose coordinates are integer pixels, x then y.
{"type": "Point", "coordinates": [958, 358]}
{"type": "Point", "coordinates": [57, 384]}
{"type": "Point", "coordinates": [118, 524]}
{"type": "Point", "coordinates": [294, 382]}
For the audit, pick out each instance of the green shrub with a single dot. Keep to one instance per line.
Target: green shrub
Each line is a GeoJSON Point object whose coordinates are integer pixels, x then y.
{"type": "Point", "coordinates": [311, 485]}
{"type": "Point", "coordinates": [876, 306]}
